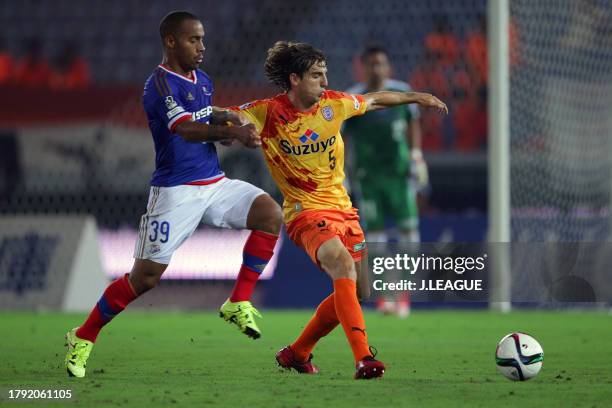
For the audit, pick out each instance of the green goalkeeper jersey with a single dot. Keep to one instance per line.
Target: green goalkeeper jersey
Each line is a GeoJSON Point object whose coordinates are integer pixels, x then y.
{"type": "Point", "coordinates": [377, 140]}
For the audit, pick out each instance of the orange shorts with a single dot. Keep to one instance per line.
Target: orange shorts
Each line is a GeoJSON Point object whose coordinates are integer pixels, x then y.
{"type": "Point", "coordinates": [311, 228]}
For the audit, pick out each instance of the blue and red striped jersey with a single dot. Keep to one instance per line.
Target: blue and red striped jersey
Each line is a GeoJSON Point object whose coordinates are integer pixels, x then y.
{"type": "Point", "coordinates": [170, 99]}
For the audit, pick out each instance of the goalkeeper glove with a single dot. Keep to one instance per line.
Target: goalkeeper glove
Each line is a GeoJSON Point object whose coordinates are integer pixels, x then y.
{"type": "Point", "coordinates": [418, 169]}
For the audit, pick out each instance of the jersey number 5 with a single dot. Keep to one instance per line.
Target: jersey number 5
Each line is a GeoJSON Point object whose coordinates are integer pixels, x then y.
{"type": "Point", "coordinates": [332, 160]}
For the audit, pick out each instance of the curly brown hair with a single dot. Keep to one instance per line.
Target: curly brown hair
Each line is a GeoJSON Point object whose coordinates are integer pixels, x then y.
{"type": "Point", "coordinates": [286, 58]}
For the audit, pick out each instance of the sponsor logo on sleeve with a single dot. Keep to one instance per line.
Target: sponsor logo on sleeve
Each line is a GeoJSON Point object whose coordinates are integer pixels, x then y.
{"type": "Point", "coordinates": [175, 112]}
{"type": "Point", "coordinates": [356, 103]}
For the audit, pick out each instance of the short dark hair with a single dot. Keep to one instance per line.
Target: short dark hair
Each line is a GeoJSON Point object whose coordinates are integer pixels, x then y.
{"type": "Point", "coordinates": [372, 50]}
{"type": "Point", "coordinates": [171, 23]}
{"type": "Point", "coordinates": [286, 58]}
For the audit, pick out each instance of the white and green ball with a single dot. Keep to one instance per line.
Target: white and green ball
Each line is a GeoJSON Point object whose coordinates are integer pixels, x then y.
{"type": "Point", "coordinates": [519, 356]}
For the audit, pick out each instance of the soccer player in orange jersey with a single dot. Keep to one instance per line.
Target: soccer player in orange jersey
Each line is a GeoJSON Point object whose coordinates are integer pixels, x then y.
{"type": "Point", "coordinates": [304, 151]}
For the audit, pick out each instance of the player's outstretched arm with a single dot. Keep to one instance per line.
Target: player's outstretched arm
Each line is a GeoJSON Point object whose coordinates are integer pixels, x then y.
{"type": "Point", "coordinates": [201, 132]}
{"type": "Point", "coordinates": [387, 99]}
{"type": "Point", "coordinates": [222, 116]}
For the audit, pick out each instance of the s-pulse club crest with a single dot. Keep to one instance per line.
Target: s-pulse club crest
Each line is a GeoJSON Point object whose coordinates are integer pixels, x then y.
{"type": "Point", "coordinates": [328, 113]}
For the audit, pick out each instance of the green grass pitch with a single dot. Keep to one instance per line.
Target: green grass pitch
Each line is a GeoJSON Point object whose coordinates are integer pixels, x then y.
{"type": "Point", "coordinates": [434, 359]}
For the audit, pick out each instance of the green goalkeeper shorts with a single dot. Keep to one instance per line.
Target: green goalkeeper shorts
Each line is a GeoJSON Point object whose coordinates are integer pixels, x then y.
{"type": "Point", "coordinates": [384, 201]}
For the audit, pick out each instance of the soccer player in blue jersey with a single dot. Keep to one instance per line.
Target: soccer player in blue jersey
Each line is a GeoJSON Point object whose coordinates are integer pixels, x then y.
{"type": "Point", "coordinates": [187, 188]}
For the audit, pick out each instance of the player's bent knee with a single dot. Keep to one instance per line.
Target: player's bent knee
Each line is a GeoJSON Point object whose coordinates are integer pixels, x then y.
{"type": "Point", "coordinates": [274, 220]}
{"type": "Point", "coordinates": [148, 282]}
{"type": "Point", "coordinates": [347, 272]}
{"type": "Point", "coordinates": [340, 266]}
{"type": "Point", "coordinates": [144, 283]}
{"type": "Point", "coordinates": [265, 215]}
{"type": "Point", "coordinates": [145, 275]}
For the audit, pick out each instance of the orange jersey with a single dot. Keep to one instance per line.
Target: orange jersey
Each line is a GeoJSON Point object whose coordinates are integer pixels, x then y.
{"type": "Point", "coordinates": [304, 151]}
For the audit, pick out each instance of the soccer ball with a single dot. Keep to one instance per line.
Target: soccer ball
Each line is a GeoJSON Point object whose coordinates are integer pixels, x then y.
{"type": "Point", "coordinates": [519, 356]}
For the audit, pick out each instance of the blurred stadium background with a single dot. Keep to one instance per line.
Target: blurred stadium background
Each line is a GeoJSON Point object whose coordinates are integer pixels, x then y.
{"type": "Point", "coordinates": [76, 155]}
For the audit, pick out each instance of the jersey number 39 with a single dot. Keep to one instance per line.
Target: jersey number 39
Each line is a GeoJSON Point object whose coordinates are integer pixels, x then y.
{"type": "Point", "coordinates": [161, 228]}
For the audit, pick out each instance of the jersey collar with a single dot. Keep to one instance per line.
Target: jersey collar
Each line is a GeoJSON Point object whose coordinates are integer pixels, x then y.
{"type": "Point", "coordinates": [193, 79]}
{"type": "Point", "coordinates": [284, 99]}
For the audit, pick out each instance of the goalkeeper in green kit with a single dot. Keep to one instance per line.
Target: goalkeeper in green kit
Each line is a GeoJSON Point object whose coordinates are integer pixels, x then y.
{"type": "Point", "coordinates": [387, 167]}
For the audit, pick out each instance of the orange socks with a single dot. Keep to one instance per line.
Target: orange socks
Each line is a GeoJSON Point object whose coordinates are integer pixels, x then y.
{"type": "Point", "coordinates": [343, 307]}
{"type": "Point", "coordinates": [349, 313]}
{"type": "Point", "coordinates": [320, 325]}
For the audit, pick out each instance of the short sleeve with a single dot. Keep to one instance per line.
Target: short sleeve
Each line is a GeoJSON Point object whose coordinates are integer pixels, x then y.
{"type": "Point", "coordinates": [352, 104]}
{"type": "Point", "coordinates": [255, 112]}
{"type": "Point", "coordinates": [171, 110]}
